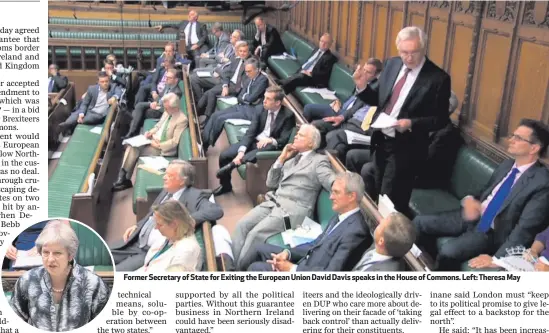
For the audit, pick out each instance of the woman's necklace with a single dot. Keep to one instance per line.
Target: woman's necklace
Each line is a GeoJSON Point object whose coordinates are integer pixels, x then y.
{"type": "Point", "coordinates": [57, 290]}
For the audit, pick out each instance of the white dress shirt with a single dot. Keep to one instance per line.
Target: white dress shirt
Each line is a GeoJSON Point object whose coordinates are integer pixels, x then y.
{"type": "Point", "coordinates": [266, 131]}
{"type": "Point", "coordinates": [234, 79]}
{"type": "Point", "coordinates": [313, 57]}
{"type": "Point", "coordinates": [304, 154]}
{"type": "Point", "coordinates": [376, 258]}
{"type": "Point", "coordinates": [194, 36]}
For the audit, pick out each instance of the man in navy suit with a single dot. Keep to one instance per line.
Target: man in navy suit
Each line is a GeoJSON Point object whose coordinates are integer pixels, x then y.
{"type": "Point", "coordinates": [509, 212]}
{"type": "Point", "coordinates": [338, 248]}
{"type": "Point", "coordinates": [95, 105]}
{"type": "Point", "coordinates": [56, 81]}
{"type": "Point", "coordinates": [316, 71]}
{"type": "Point", "coordinates": [249, 103]}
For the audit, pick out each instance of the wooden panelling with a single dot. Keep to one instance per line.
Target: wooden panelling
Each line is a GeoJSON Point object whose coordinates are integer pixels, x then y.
{"type": "Point", "coordinates": [529, 92]}
{"type": "Point", "coordinates": [490, 82]}
{"type": "Point", "coordinates": [417, 20]}
{"type": "Point", "coordinates": [461, 45]}
{"type": "Point", "coordinates": [367, 32]}
{"type": "Point", "coordinates": [334, 22]}
{"type": "Point", "coordinates": [344, 26]}
{"type": "Point", "coordinates": [380, 36]}
{"type": "Point", "coordinates": [354, 19]}
{"type": "Point", "coordinates": [396, 24]}
{"type": "Point", "coordinates": [437, 41]}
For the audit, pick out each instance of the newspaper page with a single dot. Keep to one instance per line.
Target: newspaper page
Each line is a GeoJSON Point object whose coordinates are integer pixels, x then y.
{"type": "Point", "coordinates": [67, 278]}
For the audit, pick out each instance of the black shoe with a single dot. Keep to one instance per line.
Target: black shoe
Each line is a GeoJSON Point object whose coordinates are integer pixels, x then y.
{"type": "Point", "coordinates": [222, 190]}
{"type": "Point", "coordinates": [203, 120]}
{"type": "Point", "coordinates": [122, 183]}
{"type": "Point", "coordinates": [226, 170]}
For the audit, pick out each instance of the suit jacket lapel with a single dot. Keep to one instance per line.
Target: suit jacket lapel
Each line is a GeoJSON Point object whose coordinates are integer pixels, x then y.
{"type": "Point", "coordinates": [521, 184]}
{"type": "Point", "coordinates": [499, 178]}
{"type": "Point", "coordinates": [387, 89]}
{"type": "Point", "coordinates": [420, 83]}
{"type": "Point", "coordinates": [303, 163]}
{"type": "Point", "coordinates": [278, 120]}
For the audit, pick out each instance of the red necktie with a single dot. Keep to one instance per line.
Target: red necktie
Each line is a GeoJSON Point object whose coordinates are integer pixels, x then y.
{"type": "Point", "coordinates": [396, 92]}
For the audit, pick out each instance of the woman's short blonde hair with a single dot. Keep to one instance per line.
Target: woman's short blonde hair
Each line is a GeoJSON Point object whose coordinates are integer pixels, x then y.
{"type": "Point", "coordinates": [173, 211]}
{"type": "Point", "coordinates": [61, 233]}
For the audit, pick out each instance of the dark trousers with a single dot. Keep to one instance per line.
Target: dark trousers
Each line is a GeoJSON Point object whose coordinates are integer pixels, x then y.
{"type": "Point", "coordinates": [130, 258]}
{"type": "Point", "coordinates": [202, 84]}
{"type": "Point", "coordinates": [143, 93]}
{"type": "Point", "coordinates": [297, 80]}
{"type": "Point", "coordinates": [228, 156]}
{"type": "Point", "coordinates": [466, 244]}
{"type": "Point", "coordinates": [214, 126]}
{"type": "Point", "coordinates": [262, 253]}
{"type": "Point", "coordinates": [206, 105]}
{"type": "Point", "coordinates": [318, 111]}
{"type": "Point", "coordinates": [360, 161]}
{"type": "Point", "coordinates": [337, 139]}
{"type": "Point", "coordinates": [138, 116]}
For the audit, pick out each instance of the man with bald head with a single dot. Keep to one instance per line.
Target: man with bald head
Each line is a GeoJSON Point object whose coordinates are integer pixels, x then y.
{"type": "Point", "coordinates": [316, 71]}
{"type": "Point", "coordinates": [267, 40]}
{"type": "Point", "coordinates": [298, 175]}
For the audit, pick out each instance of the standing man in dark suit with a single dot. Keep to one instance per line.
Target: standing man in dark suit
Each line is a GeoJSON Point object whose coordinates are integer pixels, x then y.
{"type": "Point", "coordinates": [129, 253]}
{"type": "Point", "coordinates": [95, 105]}
{"type": "Point", "coordinates": [509, 212]}
{"type": "Point", "coordinates": [267, 40]}
{"type": "Point", "coordinates": [270, 130]}
{"type": "Point", "coordinates": [393, 238]}
{"type": "Point", "coordinates": [316, 71]}
{"type": "Point", "coordinates": [56, 81]}
{"type": "Point", "coordinates": [338, 248]}
{"type": "Point", "coordinates": [249, 103]}
{"type": "Point", "coordinates": [194, 33]}
{"type": "Point", "coordinates": [222, 41]}
{"type": "Point", "coordinates": [414, 92]}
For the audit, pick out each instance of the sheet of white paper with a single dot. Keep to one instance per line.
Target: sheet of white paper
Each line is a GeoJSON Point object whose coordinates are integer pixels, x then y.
{"type": "Point", "coordinates": [137, 141]}
{"type": "Point", "coordinates": [91, 183]}
{"type": "Point", "coordinates": [289, 56]}
{"type": "Point", "coordinates": [229, 100]}
{"type": "Point", "coordinates": [158, 163]}
{"type": "Point", "coordinates": [385, 206]}
{"type": "Point", "coordinates": [384, 121]}
{"type": "Point", "coordinates": [415, 251]}
{"type": "Point", "coordinates": [211, 199]}
{"type": "Point", "coordinates": [238, 122]}
{"type": "Point", "coordinates": [97, 130]}
{"type": "Point", "coordinates": [65, 139]}
{"type": "Point", "coordinates": [243, 130]}
{"type": "Point", "coordinates": [56, 155]}
{"type": "Point", "coordinates": [278, 57]}
{"type": "Point", "coordinates": [514, 264]}
{"type": "Point", "coordinates": [287, 236]}
{"type": "Point", "coordinates": [63, 101]}
{"type": "Point", "coordinates": [329, 97]}
{"type": "Point", "coordinates": [203, 74]}
{"type": "Point", "coordinates": [24, 259]}
{"type": "Point", "coordinates": [357, 139]}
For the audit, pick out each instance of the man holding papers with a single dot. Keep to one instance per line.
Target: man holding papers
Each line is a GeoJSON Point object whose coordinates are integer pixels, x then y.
{"type": "Point", "coordinates": [164, 139]}
{"type": "Point", "coordinates": [338, 248]}
{"type": "Point", "coordinates": [414, 92]}
{"type": "Point", "coordinates": [316, 71]}
{"type": "Point", "coordinates": [270, 130]}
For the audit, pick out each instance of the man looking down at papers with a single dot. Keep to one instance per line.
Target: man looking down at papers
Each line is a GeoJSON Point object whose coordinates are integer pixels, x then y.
{"type": "Point", "coordinates": [338, 248]}
{"type": "Point", "coordinates": [129, 252]}
{"type": "Point", "coordinates": [164, 139]}
{"type": "Point", "coordinates": [270, 130]}
{"type": "Point", "coordinates": [298, 175]}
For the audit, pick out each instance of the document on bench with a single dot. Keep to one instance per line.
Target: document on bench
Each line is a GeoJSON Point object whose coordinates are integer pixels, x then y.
{"type": "Point", "coordinates": [203, 74]}
{"type": "Point", "coordinates": [514, 264]}
{"type": "Point", "coordinates": [323, 92]}
{"type": "Point", "coordinates": [306, 233]}
{"type": "Point", "coordinates": [238, 122]}
{"type": "Point", "coordinates": [357, 139]}
{"type": "Point", "coordinates": [229, 100]}
{"type": "Point", "coordinates": [384, 121]}
{"type": "Point", "coordinates": [157, 163]}
{"type": "Point", "coordinates": [97, 130]}
{"type": "Point", "coordinates": [27, 259]}
{"type": "Point", "coordinates": [137, 141]}
{"type": "Point", "coordinates": [284, 56]}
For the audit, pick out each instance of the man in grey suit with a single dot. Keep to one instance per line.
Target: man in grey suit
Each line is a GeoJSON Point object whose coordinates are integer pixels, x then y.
{"type": "Point", "coordinates": [222, 42]}
{"type": "Point", "coordinates": [129, 253]}
{"type": "Point", "coordinates": [338, 248]}
{"type": "Point", "coordinates": [511, 209]}
{"type": "Point", "coordinates": [298, 176]}
{"type": "Point", "coordinates": [96, 104]}
{"type": "Point", "coordinates": [393, 238]}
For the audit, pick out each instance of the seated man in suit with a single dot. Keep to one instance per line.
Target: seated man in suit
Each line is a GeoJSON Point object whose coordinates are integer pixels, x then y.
{"type": "Point", "coordinates": [118, 68]}
{"type": "Point", "coordinates": [312, 112]}
{"type": "Point", "coordinates": [231, 83]}
{"type": "Point", "coordinates": [129, 253]}
{"type": "Point", "coordinates": [267, 40]}
{"type": "Point", "coordinates": [316, 71]}
{"type": "Point", "coordinates": [195, 34]}
{"type": "Point", "coordinates": [96, 104]}
{"type": "Point", "coordinates": [56, 81]}
{"type": "Point", "coordinates": [152, 89]}
{"type": "Point", "coordinates": [165, 140]}
{"type": "Point", "coordinates": [509, 212]}
{"type": "Point", "coordinates": [270, 130]}
{"type": "Point", "coordinates": [169, 52]}
{"type": "Point", "coordinates": [222, 42]}
{"type": "Point", "coordinates": [253, 88]}
{"type": "Point", "coordinates": [393, 238]}
{"type": "Point", "coordinates": [108, 67]}
{"type": "Point", "coordinates": [200, 85]}
{"type": "Point", "coordinates": [154, 109]}
{"type": "Point", "coordinates": [298, 175]}
{"type": "Point", "coordinates": [338, 248]}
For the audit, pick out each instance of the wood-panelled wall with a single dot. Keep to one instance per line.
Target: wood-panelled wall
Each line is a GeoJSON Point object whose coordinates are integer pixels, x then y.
{"type": "Point", "coordinates": [497, 52]}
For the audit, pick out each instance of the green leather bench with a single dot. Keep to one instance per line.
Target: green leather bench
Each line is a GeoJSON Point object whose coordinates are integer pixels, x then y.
{"type": "Point", "coordinates": [323, 214]}
{"type": "Point", "coordinates": [470, 175]}
{"type": "Point", "coordinates": [103, 52]}
{"type": "Point", "coordinates": [91, 250]}
{"type": "Point", "coordinates": [112, 35]}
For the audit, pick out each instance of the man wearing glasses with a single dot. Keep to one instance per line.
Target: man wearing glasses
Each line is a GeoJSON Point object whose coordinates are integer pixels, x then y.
{"type": "Point", "coordinates": [509, 212]}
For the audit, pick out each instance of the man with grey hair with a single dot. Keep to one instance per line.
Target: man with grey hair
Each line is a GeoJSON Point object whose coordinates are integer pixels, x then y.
{"type": "Point", "coordinates": [129, 253]}
{"type": "Point", "coordinates": [393, 238]}
{"type": "Point", "coordinates": [222, 42]}
{"type": "Point", "coordinates": [297, 176]}
{"type": "Point", "coordinates": [339, 246]}
{"type": "Point", "coordinates": [413, 94]}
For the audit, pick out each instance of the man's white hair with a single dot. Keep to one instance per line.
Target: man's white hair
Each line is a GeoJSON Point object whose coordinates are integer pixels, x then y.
{"type": "Point", "coordinates": [412, 33]}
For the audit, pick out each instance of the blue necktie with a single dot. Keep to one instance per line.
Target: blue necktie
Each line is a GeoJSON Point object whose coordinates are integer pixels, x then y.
{"type": "Point", "coordinates": [496, 202]}
{"type": "Point", "coordinates": [348, 102]}
{"type": "Point", "coordinates": [50, 86]}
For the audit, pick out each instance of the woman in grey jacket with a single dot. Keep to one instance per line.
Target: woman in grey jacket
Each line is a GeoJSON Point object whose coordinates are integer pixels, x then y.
{"type": "Point", "coordinates": [60, 295]}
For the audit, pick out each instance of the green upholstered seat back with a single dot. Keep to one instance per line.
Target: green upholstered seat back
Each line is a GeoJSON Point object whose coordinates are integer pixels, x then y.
{"type": "Point", "coordinates": [471, 172]}
{"type": "Point", "coordinates": [324, 210]}
{"type": "Point", "coordinates": [91, 250]}
{"type": "Point", "coordinates": [341, 81]}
